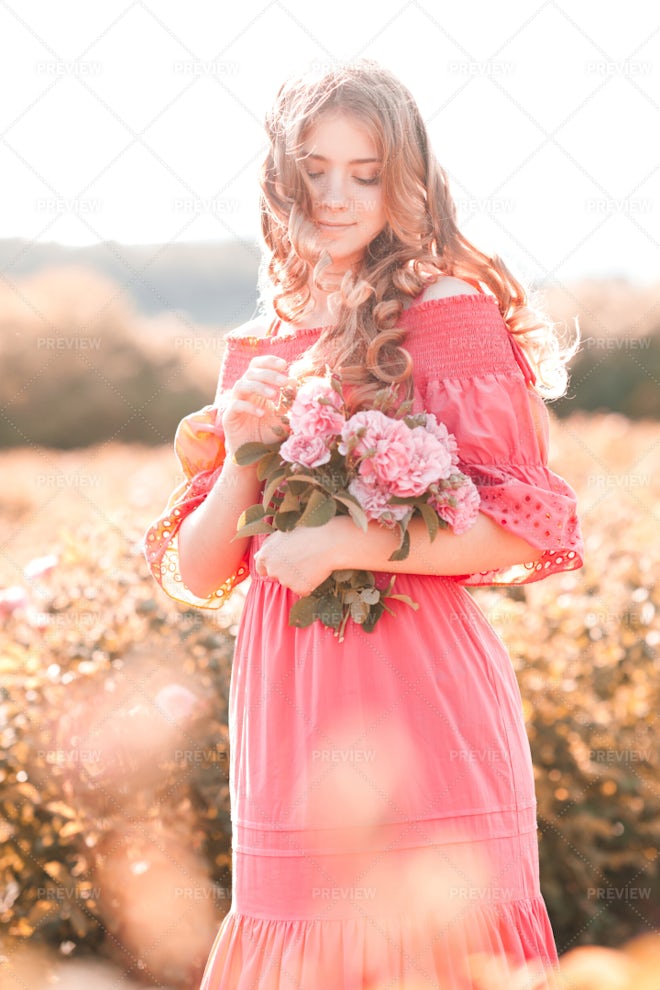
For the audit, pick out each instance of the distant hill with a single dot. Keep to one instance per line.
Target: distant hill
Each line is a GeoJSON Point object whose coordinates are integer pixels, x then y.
{"type": "Point", "coordinates": [214, 282]}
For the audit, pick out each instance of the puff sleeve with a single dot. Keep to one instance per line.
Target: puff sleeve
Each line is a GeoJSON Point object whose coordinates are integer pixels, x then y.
{"type": "Point", "coordinates": [200, 449]}
{"type": "Point", "coordinates": [479, 383]}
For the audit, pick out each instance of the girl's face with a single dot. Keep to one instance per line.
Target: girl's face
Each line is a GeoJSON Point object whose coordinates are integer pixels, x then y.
{"type": "Point", "coordinates": [341, 169]}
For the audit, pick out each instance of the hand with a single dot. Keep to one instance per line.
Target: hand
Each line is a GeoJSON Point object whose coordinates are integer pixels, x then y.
{"type": "Point", "coordinates": [253, 411]}
{"type": "Point", "coordinates": [300, 559]}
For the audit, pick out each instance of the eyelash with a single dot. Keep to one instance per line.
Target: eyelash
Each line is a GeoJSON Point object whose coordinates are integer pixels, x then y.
{"type": "Point", "coordinates": [362, 182]}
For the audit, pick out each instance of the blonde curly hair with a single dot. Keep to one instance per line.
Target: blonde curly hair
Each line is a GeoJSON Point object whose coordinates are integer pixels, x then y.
{"type": "Point", "coordinates": [419, 243]}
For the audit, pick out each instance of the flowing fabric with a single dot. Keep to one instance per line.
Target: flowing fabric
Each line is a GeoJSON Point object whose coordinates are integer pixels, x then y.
{"type": "Point", "coordinates": [382, 791]}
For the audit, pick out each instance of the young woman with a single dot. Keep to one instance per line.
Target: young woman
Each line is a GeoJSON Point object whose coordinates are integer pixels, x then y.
{"type": "Point", "coordinates": [383, 806]}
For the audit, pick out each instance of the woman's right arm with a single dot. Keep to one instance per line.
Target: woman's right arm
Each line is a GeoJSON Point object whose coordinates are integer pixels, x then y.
{"type": "Point", "coordinates": [207, 557]}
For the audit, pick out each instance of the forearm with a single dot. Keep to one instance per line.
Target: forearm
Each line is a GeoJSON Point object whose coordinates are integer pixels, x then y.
{"type": "Point", "coordinates": [485, 546]}
{"type": "Point", "coordinates": [207, 557]}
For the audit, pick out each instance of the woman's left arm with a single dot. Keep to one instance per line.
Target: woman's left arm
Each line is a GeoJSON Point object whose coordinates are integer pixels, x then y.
{"type": "Point", "coordinates": [303, 558]}
{"type": "Point", "coordinates": [486, 546]}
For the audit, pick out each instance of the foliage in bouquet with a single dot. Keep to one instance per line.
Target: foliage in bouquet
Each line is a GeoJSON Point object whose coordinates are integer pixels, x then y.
{"type": "Point", "coordinates": [384, 464]}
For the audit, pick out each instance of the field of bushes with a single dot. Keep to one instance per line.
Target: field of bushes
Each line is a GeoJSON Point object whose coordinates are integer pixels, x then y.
{"type": "Point", "coordinates": [114, 805]}
{"type": "Point", "coordinates": [113, 759]}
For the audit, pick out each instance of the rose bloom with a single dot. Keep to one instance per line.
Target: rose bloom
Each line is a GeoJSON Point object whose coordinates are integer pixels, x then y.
{"type": "Point", "coordinates": [430, 460]}
{"type": "Point", "coordinates": [380, 444]}
{"type": "Point", "coordinates": [365, 431]}
{"type": "Point", "coordinates": [462, 515]}
{"type": "Point", "coordinates": [311, 417]}
{"type": "Point", "coordinates": [440, 431]}
{"type": "Point", "coordinates": [401, 460]}
{"type": "Point", "coordinates": [374, 502]}
{"type": "Point", "coordinates": [309, 452]}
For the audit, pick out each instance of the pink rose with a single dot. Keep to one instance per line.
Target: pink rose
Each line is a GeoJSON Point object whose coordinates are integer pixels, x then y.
{"type": "Point", "coordinates": [430, 460]}
{"type": "Point", "coordinates": [316, 410]}
{"type": "Point", "coordinates": [374, 502]}
{"type": "Point", "coordinates": [440, 431]}
{"type": "Point", "coordinates": [380, 444]}
{"type": "Point", "coordinates": [463, 514]}
{"type": "Point", "coordinates": [393, 456]}
{"type": "Point", "coordinates": [365, 430]}
{"type": "Point", "coordinates": [307, 451]}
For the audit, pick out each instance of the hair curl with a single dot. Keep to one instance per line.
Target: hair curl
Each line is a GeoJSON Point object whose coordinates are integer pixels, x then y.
{"type": "Point", "coordinates": [419, 243]}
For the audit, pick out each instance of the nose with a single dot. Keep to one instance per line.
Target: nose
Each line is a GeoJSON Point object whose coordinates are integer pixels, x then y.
{"type": "Point", "coordinates": [334, 195]}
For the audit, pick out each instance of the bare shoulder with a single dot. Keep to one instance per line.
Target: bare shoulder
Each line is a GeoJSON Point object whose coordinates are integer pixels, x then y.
{"type": "Point", "coordinates": [447, 285]}
{"type": "Point", "coordinates": [253, 328]}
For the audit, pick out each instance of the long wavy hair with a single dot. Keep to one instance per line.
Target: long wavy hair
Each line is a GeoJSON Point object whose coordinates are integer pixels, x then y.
{"type": "Point", "coordinates": [419, 243]}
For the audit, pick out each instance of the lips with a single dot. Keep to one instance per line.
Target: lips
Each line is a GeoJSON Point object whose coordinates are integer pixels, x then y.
{"type": "Point", "coordinates": [326, 223]}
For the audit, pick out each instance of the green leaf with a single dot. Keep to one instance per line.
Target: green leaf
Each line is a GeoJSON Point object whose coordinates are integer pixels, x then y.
{"type": "Point", "coordinates": [320, 510]}
{"type": "Point", "coordinates": [290, 502]}
{"type": "Point", "coordinates": [303, 612]}
{"type": "Point", "coordinates": [330, 610]}
{"type": "Point", "coordinates": [273, 484]}
{"type": "Point", "coordinates": [326, 587]}
{"type": "Point", "coordinates": [297, 487]}
{"type": "Point", "coordinates": [357, 513]}
{"type": "Point", "coordinates": [341, 576]}
{"type": "Point", "coordinates": [430, 517]}
{"type": "Point", "coordinates": [373, 617]}
{"type": "Point", "coordinates": [266, 464]}
{"type": "Point", "coordinates": [404, 548]}
{"type": "Point", "coordinates": [307, 478]}
{"type": "Point", "coordinates": [252, 529]}
{"type": "Point", "coordinates": [248, 453]}
{"type": "Point", "coordinates": [359, 612]}
{"type": "Point", "coordinates": [286, 521]}
{"type": "Point", "coordinates": [253, 513]}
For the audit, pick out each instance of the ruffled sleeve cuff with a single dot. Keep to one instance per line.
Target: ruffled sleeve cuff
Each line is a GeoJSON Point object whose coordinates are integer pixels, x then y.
{"type": "Point", "coordinates": [200, 449]}
{"type": "Point", "coordinates": [538, 506]}
{"type": "Point", "coordinates": [501, 427]}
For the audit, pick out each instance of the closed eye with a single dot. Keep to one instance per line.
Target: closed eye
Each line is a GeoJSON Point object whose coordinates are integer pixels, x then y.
{"type": "Point", "coordinates": [362, 182]}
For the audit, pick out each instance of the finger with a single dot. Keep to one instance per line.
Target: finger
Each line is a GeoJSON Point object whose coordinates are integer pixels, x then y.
{"type": "Point", "coordinates": [244, 406]}
{"type": "Point", "coordinates": [268, 361]}
{"type": "Point", "coordinates": [271, 375]}
{"type": "Point", "coordinates": [244, 387]}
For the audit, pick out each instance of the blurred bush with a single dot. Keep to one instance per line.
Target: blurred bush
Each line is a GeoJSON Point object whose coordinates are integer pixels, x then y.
{"type": "Point", "coordinates": [114, 804]}
{"type": "Point", "coordinates": [618, 365]}
{"type": "Point", "coordinates": [81, 366]}
{"type": "Point", "coordinates": [114, 810]}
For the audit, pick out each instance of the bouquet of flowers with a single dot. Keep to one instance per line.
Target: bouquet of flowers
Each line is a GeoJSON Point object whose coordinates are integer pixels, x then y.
{"type": "Point", "coordinates": [384, 464]}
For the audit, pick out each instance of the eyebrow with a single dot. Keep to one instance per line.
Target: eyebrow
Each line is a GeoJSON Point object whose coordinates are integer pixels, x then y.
{"type": "Point", "coordinates": [353, 161]}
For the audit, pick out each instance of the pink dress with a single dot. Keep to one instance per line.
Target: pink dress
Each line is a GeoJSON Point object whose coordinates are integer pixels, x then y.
{"type": "Point", "coordinates": [382, 792]}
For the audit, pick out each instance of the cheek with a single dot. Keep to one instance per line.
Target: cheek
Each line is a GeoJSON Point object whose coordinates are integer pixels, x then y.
{"type": "Point", "coordinates": [373, 210]}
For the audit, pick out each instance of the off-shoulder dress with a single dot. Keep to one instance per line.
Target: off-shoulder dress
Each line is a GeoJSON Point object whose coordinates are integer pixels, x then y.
{"type": "Point", "coordinates": [384, 829]}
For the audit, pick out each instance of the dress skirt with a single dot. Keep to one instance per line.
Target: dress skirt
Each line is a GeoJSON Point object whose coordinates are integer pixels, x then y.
{"type": "Point", "coordinates": [383, 807]}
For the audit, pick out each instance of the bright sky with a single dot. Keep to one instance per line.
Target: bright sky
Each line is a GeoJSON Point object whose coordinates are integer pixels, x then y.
{"type": "Point", "coordinates": [142, 121]}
